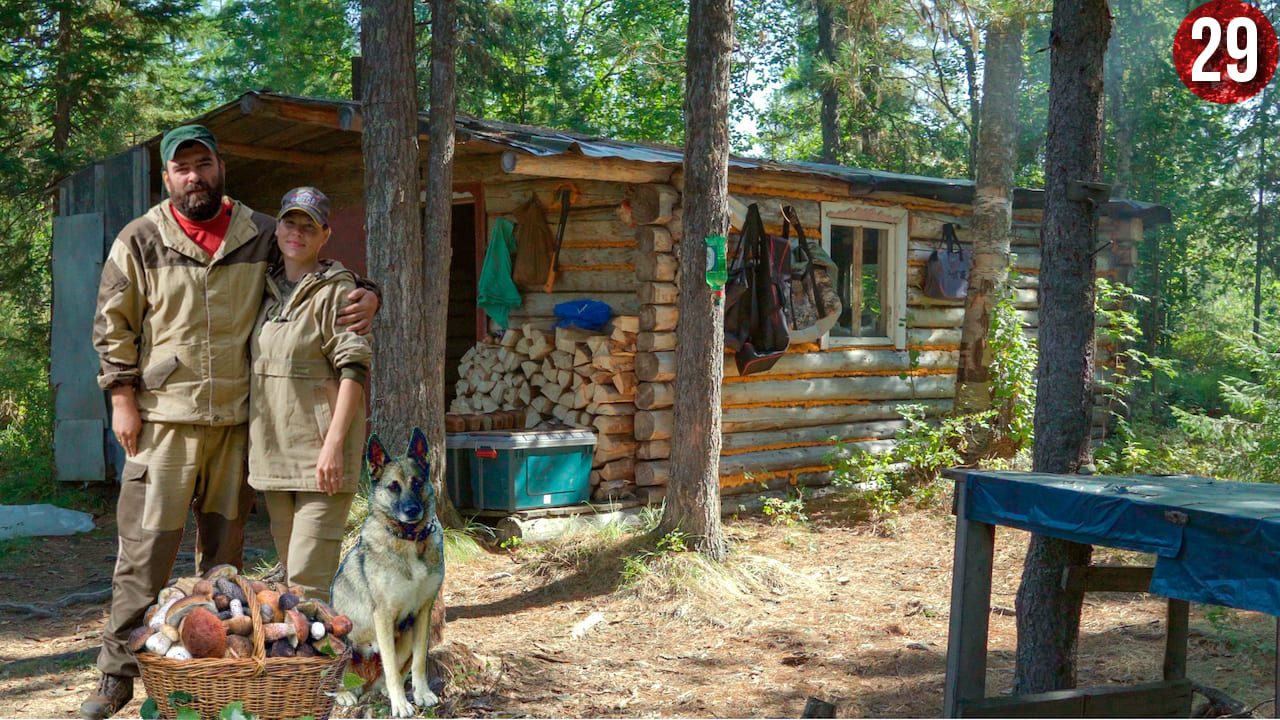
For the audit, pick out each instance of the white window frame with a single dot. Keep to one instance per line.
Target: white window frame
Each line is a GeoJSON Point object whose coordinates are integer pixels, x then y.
{"type": "Point", "coordinates": [892, 222]}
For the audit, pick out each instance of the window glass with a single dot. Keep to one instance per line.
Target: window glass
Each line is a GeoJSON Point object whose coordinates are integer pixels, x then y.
{"type": "Point", "coordinates": [860, 254]}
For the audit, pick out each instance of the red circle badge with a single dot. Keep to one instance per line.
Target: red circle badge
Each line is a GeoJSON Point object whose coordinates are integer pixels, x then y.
{"type": "Point", "coordinates": [1226, 51]}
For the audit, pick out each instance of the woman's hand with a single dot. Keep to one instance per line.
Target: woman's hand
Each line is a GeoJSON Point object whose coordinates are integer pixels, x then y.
{"type": "Point", "coordinates": [329, 468]}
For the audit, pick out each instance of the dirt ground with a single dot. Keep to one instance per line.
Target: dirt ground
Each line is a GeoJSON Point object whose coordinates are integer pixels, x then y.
{"type": "Point", "coordinates": [830, 609]}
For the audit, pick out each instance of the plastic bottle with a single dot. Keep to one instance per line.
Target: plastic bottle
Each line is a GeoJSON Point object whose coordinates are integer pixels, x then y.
{"type": "Point", "coordinates": [717, 267]}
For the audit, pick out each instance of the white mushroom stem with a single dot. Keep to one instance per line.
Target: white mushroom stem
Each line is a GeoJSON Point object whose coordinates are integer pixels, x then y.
{"type": "Point", "coordinates": [157, 620]}
{"type": "Point", "coordinates": [236, 607]}
{"type": "Point", "coordinates": [177, 652]}
{"type": "Point", "coordinates": [159, 644]}
{"type": "Point", "coordinates": [317, 630]}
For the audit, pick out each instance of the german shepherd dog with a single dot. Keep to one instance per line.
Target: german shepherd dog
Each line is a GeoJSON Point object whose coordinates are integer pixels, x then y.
{"type": "Point", "coordinates": [388, 582]}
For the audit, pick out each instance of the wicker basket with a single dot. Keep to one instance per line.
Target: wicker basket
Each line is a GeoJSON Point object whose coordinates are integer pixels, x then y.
{"type": "Point", "coordinates": [270, 688]}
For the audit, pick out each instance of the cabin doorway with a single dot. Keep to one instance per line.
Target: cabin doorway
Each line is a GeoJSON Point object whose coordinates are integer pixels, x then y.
{"type": "Point", "coordinates": [464, 272]}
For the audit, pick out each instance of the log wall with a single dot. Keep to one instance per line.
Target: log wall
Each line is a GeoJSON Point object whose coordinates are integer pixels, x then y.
{"type": "Point", "coordinates": [780, 425]}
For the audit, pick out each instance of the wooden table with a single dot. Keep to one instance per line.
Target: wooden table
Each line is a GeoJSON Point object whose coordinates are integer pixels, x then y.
{"type": "Point", "coordinates": [1215, 541]}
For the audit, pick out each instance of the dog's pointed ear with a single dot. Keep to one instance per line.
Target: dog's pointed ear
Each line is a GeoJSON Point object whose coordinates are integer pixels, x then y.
{"type": "Point", "coordinates": [377, 457]}
{"type": "Point", "coordinates": [420, 451]}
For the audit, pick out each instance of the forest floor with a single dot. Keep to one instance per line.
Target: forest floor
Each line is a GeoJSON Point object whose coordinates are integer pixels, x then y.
{"type": "Point", "coordinates": [837, 608]}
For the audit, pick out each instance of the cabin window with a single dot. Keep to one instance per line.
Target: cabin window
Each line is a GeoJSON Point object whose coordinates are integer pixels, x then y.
{"type": "Point", "coordinates": [868, 245]}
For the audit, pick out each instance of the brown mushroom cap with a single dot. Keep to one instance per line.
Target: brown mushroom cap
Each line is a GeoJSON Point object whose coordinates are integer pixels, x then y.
{"type": "Point", "coordinates": [170, 594]}
{"type": "Point", "coordinates": [300, 623]}
{"type": "Point", "coordinates": [221, 602]}
{"type": "Point", "coordinates": [289, 601]}
{"type": "Point", "coordinates": [203, 634]}
{"type": "Point", "coordinates": [186, 584]}
{"type": "Point", "coordinates": [282, 648]}
{"type": "Point", "coordinates": [202, 587]}
{"type": "Point", "coordinates": [239, 646]}
{"type": "Point", "coordinates": [221, 571]}
{"type": "Point", "coordinates": [176, 614]}
{"type": "Point", "coordinates": [239, 625]}
{"type": "Point", "coordinates": [258, 586]}
{"type": "Point", "coordinates": [339, 626]}
{"type": "Point", "coordinates": [138, 638]}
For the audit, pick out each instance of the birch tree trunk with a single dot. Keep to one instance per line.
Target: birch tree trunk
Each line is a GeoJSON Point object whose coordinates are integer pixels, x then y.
{"type": "Point", "coordinates": [992, 215]}
{"type": "Point", "coordinates": [1049, 617]}
{"type": "Point", "coordinates": [394, 248]}
{"type": "Point", "coordinates": [693, 491]}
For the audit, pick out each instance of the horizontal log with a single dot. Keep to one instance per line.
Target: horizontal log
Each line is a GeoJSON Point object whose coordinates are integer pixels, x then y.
{"type": "Point", "coordinates": [1023, 299]}
{"type": "Point", "coordinates": [506, 197]}
{"type": "Point", "coordinates": [1025, 259]}
{"type": "Point", "coordinates": [585, 168]}
{"type": "Point", "coordinates": [651, 239]}
{"type": "Point", "coordinates": [654, 450]}
{"type": "Point", "coordinates": [659, 293]}
{"type": "Point", "coordinates": [809, 212]}
{"type": "Point", "coordinates": [652, 204]}
{"type": "Point", "coordinates": [656, 367]}
{"type": "Point", "coordinates": [758, 419]}
{"type": "Point", "coordinates": [598, 258]}
{"type": "Point", "coordinates": [654, 473]}
{"type": "Point", "coordinates": [655, 341]}
{"type": "Point", "coordinates": [655, 395]}
{"type": "Point", "coordinates": [542, 305]}
{"type": "Point", "coordinates": [940, 317]}
{"type": "Point", "coordinates": [623, 469]}
{"type": "Point", "coordinates": [817, 435]}
{"type": "Point", "coordinates": [1107, 578]}
{"type": "Point", "coordinates": [609, 441]}
{"type": "Point", "coordinates": [658, 318]}
{"type": "Point", "coordinates": [933, 337]}
{"type": "Point", "coordinates": [626, 323]}
{"type": "Point", "coordinates": [1028, 281]}
{"type": "Point", "coordinates": [607, 394]}
{"type": "Point", "coordinates": [613, 452]}
{"type": "Point", "coordinates": [654, 424]}
{"type": "Point", "coordinates": [620, 408]}
{"type": "Point", "coordinates": [826, 390]}
{"type": "Point", "coordinates": [656, 267]}
{"type": "Point", "coordinates": [590, 280]}
{"type": "Point", "coordinates": [790, 458]}
{"type": "Point", "coordinates": [608, 424]}
{"type": "Point", "coordinates": [849, 360]}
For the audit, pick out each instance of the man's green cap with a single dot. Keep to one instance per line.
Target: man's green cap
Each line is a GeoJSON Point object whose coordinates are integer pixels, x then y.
{"type": "Point", "coordinates": [187, 133]}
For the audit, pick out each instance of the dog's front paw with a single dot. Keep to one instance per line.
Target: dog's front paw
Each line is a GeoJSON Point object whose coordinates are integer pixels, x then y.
{"type": "Point", "coordinates": [401, 708]}
{"type": "Point", "coordinates": [424, 698]}
{"type": "Point", "coordinates": [346, 698]}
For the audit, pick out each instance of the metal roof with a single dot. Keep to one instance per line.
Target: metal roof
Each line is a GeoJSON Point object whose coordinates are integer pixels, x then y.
{"type": "Point", "coordinates": [344, 115]}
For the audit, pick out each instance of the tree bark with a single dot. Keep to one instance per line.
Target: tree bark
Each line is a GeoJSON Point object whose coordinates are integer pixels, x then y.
{"type": "Point", "coordinates": [827, 48]}
{"type": "Point", "coordinates": [1049, 617]}
{"type": "Point", "coordinates": [394, 246]}
{"type": "Point", "coordinates": [693, 493]}
{"type": "Point", "coordinates": [437, 239]}
{"type": "Point", "coordinates": [992, 214]}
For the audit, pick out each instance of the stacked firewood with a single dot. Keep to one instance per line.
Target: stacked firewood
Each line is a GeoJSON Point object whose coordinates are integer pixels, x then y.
{"type": "Point", "coordinates": [566, 376]}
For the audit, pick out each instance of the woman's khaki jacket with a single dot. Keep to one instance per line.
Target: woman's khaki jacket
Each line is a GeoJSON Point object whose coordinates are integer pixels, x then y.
{"type": "Point", "coordinates": [299, 354]}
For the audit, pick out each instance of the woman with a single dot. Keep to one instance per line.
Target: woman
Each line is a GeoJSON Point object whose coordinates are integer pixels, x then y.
{"type": "Point", "coordinates": [306, 417]}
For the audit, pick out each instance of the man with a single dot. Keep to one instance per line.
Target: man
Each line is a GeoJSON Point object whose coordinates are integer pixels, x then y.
{"type": "Point", "coordinates": [178, 298]}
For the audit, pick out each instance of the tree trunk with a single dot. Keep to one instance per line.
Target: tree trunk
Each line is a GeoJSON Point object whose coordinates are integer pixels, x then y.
{"type": "Point", "coordinates": [992, 214]}
{"type": "Point", "coordinates": [827, 48]}
{"type": "Point", "coordinates": [693, 492]}
{"type": "Point", "coordinates": [394, 240]}
{"type": "Point", "coordinates": [1048, 617]}
{"type": "Point", "coordinates": [976, 100]}
{"type": "Point", "coordinates": [1260, 244]}
{"type": "Point", "coordinates": [437, 239]}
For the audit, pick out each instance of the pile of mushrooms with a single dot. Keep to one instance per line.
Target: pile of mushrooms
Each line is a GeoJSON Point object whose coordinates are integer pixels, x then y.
{"type": "Point", "coordinates": [208, 617]}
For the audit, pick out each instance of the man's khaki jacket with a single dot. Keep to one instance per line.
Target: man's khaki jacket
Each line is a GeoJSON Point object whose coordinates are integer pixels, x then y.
{"type": "Point", "coordinates": [176, 323]}
{"type": "Point", "coordinates": [300, 353]}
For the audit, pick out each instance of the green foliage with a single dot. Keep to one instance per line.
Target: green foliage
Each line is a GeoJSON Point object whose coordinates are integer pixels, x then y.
{"type": "Point", "coordinates": [1013, 376]}
{"type": "Point", "coordinates": [786, 511]}
{"type": "Point", "coordinates": [1247, 437]}
{"type": "Point", "coordinates": [635, 566]}
{"type": "Point", "coordinates": [1119, 332]}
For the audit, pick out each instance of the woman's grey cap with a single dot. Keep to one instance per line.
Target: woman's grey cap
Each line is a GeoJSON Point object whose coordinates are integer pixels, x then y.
{"type": "Point", "coordinates": [187, 133]}
{"type": "Point", "coordinates": [310, 201]}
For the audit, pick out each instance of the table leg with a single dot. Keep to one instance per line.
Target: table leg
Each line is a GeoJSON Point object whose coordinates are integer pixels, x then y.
{"type": "Point", "coordinates": [970, 610]}
{"type": "Point", "coordinates": [1175, 640]}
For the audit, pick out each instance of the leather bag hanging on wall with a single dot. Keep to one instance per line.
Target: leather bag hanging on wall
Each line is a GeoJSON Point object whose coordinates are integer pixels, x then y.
{"type": "Point", "coordinates": [814, 306]}
{"type": "Point", "coordinates": [755, 318]}
{"type": "Point", "coordinates": [535, 246]}
{"type": "Point", "coordinates": [946, 276]}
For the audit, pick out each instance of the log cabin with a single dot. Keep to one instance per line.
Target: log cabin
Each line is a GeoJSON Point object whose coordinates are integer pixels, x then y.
{"type": "Point", "coordinates": [622, 232]}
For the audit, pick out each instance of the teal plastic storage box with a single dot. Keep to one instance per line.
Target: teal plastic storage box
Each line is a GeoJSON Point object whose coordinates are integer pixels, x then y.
{"type": "Point", "coordinates": [457, 467]}
{"type": "Point", "coordinates": [519, 470]}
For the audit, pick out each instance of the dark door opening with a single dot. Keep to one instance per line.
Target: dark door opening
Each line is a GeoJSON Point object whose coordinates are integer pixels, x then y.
{"type": "Point", "coordinates": [463, 278]}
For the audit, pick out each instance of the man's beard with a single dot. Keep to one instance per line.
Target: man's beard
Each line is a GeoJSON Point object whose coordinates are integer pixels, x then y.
{"type": "Point", "coordinates": [201, 207]}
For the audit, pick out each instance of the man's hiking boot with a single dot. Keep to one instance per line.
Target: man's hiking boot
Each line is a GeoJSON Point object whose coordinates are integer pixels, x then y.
{"type": "Point", "coordinates": [113, 693]}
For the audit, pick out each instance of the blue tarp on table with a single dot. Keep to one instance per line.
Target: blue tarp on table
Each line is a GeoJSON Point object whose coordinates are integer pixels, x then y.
{"type": "Point", "coordinates": [1215, 541]}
